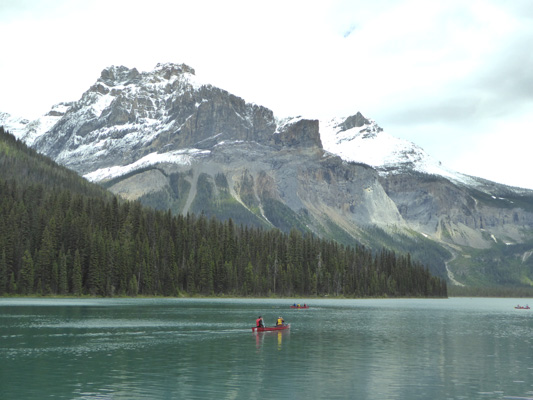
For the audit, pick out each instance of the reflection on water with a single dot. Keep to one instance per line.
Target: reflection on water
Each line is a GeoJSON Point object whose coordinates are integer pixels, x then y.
{"type": "Point", "coordinates": [197, 349]}
{"type": "Point", "coordinates": [269, 337]}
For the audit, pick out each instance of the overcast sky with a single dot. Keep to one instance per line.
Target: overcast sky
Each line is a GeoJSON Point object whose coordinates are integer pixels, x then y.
{"type": "Point", "coordinates": [454, 77]}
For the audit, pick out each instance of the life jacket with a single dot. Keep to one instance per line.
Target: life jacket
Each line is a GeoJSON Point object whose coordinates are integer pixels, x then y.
{"type": "Point", "coordinates": [258, 322]}
{"type": "Point", "coordinates": [280, 321]}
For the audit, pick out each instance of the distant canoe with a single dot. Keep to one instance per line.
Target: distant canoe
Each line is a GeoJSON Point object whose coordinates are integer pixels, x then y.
{"type": "Point", "coordinates": [271, 328]}
{"type": "Point", "coordinates": [522, 307]}
{"type": "Point", "coordinates": [299, 306]}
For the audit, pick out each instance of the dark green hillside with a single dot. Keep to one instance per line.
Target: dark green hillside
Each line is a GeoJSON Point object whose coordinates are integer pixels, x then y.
{"type": "Point", "coordinates": [27, 167]}
{"type": "Point", "coordinates": [60, 234]}
{"type": "Point", "coordinates": [420, 248]}
{"type": "Point", "coordinates": [483, 268]}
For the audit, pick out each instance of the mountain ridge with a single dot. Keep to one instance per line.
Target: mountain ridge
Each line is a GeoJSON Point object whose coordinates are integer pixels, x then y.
{"type": "Point", "coordinates": [173, 142]}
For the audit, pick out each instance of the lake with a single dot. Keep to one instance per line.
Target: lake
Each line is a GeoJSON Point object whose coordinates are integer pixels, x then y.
{"type": "Point", "coordinates": [457, 348]}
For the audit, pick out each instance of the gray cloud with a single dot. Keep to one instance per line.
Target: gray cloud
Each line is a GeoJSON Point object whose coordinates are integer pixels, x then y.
{"type": "Point", "coordinates": [501, 86]}
{"type": "Point", "coordinates": [509, 74]}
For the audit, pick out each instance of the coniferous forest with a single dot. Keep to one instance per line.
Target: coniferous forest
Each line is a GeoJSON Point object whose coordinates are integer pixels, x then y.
{"type": "Point", "coordinates": [61, 235]}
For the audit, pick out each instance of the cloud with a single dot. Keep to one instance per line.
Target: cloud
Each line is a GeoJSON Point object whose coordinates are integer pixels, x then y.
{"type": "Point", "coordinates": [501, 154]}
{"type": "Point", "coordinates": [507, 77]}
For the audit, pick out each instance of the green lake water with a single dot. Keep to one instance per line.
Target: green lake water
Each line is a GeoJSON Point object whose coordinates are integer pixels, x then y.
{"type": "Point", "coordinates": [455, 348]}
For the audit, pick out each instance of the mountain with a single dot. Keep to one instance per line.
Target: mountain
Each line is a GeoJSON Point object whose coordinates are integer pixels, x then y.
{"type": "Point", "coordinates": [62, 235]}
{"type": "Point", "coordinates": [172, 142]}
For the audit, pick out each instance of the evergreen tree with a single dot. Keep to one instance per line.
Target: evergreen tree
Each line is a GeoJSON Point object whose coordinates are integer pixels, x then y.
{"type": "Point", "coordinates": [133, 287]}
{"type": "Point", "coordinates": [63, 274]}
{"type": "Point", "coordinates": [45, 272]}
{"type": "Point", "coordinates": [77, 283]}
{"type": "Point", "coordinates": [26, 274]}
{"type": "Point", "coordinates": [3, 273]}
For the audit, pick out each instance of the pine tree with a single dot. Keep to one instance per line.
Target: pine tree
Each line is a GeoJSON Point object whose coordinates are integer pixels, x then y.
{"type": "Point", "coordinates": [77, 287]}
{"type": "Point", "coordinates": [63, 274]}
{"type": "Point", "coordinates": [26, 274]}
{"type": "Point", "coordinates": [45, 271]}
{"type": "Point", "coordinates": [133, 287]}
{"type": "Point", "coordinates": [3, 273]}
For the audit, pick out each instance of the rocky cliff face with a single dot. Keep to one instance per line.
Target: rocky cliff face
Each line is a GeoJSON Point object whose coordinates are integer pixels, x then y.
{"type": "Point", "coordinates": [458, 214]}
{"type": "Point", "coordinates": [172, 142]}
{"type": "Point", "coordinates": [126, 115]}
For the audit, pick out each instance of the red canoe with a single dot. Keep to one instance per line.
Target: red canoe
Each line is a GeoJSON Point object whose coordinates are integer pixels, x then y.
{"type": "Point", "coordinates": [522, 307]}
{"type": "Point", "coordinates": [299, 306]}
{"type": "Point", "coordinates": [271, 328]}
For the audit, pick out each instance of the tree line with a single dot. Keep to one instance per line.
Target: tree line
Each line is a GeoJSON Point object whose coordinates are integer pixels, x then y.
{"type": "Point", "coordinates": [66, 238]}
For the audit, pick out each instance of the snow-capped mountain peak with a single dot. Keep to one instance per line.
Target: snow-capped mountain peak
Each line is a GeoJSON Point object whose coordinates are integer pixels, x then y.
{"type": "Point", "coordinates": [362, 140]}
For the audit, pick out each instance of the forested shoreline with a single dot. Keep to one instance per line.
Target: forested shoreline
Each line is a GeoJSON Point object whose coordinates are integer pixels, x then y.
{"type": "Point", "coordinates": [62, 236]}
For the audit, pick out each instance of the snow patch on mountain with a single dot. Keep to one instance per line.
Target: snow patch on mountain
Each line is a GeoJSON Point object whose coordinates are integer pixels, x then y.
{"type": "Point", "coordinates": [181, 157]}
{"type": "Point", "coordinates": [284, 122]}
{"type": "Point", "coordinates": [100, 103]}
{"type": "Point", "coordinates": [29, 131]}
{"type": "Point", "coordinates": [15, 125]}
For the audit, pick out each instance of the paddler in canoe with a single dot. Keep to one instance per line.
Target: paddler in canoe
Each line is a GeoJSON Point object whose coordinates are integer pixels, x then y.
{"type": "Point", "coordinates": [260, 327]}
